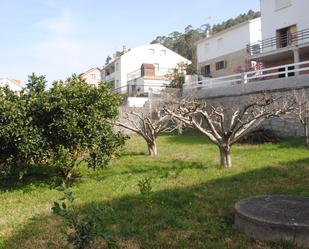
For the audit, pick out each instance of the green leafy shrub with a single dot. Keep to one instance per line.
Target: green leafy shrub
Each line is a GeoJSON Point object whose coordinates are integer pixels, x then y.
{"type": "Point", "coordinates": [82, 229]}
{"type": "Point", "coordinates": [22, 145]}
{"type": "Point", "coordinates": [145, 189]}
{"type": "Point", "coordinates": [61, 126]}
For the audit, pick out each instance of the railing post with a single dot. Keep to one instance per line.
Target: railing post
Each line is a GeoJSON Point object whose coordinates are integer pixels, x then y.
{"type": "Point", "coordinates": [286, 71]}
{"type": "Point", "coordinates": [244, 78]}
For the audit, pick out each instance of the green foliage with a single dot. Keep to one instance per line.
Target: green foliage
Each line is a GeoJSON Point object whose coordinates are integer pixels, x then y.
{"type": "Point", "coordinates": [60, 126]}
{"type": "Point", "coordinates": [235, 21]}
{"type": "Point", "coordinates": [184, 43]}
{"type": "Point", "coordinates": [82, 229]}
{"type": "Point", "coordinates": [22, 144]}
{"type": "Point", "coordinates": [193, 199]}
{"type": "Point", "coordinates": [178, 75]}
{"type": "Point", "coordinates": [145, 189]}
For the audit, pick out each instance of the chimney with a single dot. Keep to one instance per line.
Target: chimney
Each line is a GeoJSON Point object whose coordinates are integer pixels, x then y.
{"type": "Point", "coordinates": [124, 49]}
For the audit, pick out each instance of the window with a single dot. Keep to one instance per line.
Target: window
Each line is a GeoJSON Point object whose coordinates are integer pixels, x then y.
{"type": "Point", "coordinates": [220, 65]}
{"type": "Point", "coordinates": [205, 71]}
{"type": "Point", "coordinates": [117, 67]}
{"type": "Point", "coordinates": [220, 43]}
{"type": "Point", "coordinates": [280, 4]}
{"type": "Point", "coordinates": [151, 51]}
{"type": "Point", "coordinates": [93, 76]}
{"type": "Point", "coordinates": [286, 36]}
{"type": "Point", "coordinates": [163, 52]}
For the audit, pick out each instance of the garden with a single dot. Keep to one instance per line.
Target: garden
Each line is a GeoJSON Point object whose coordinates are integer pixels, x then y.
{"type": "Point", "coordinates": [68, 180]}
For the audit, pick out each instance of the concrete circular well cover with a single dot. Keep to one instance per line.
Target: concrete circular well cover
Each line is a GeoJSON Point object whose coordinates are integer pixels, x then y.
{"type": "Point", "coordinates": [274, 218]}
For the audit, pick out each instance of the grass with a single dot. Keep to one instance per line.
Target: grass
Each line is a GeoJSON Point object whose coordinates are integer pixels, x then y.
{"type": "Point", "coordinates": [192, 199]}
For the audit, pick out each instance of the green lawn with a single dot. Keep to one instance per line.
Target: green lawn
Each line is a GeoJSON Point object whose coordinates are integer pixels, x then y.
{"type": "Point", "coordinates": [192, 198]}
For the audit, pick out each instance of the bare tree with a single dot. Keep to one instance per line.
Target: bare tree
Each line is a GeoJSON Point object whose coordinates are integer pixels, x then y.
{"type": "Point", "coordinates": [148, 126]}
{"type": "Point", "coordinates": [302, 111]}
{"type": "Point", "coordinates": [225, 126]}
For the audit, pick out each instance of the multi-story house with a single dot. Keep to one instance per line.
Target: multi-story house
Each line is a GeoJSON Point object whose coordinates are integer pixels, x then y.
{"type": "Point", "coordinates": [285, 34]}
{"type": "Point", "coordinates": [92, 76]}
{"type": "Point", "coordinates": [135, 71]}
{"type": "Point", "coordinates": [277, 56]}
{"type": "Point", "coordinates": [13, 84]}
{"type": "Point", "coordinates": [225, 52]}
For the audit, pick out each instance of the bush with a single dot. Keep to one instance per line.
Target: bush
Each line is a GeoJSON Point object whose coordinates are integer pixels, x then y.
{"type": "Point", "coordinates": [260, 136]}
{"type": "Point", "coordinates": [82, 229]}
{"type": "Point", "coordinates": [22, 145]}
{"type": "Point", "coordinates": [60, 126]}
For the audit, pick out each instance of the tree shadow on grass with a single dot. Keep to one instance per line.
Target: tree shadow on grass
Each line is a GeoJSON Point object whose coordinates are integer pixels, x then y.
{"type": "Point", "coordinates": [36, 177]}
{"type": "Point", "coordinates": [186, 217]}
{"type": "Point", "coordinates": [296, 143]}
{"type": "Point", "coordinates": [188, 137]}
{"type": "Point", "coordinates": [175, 167]}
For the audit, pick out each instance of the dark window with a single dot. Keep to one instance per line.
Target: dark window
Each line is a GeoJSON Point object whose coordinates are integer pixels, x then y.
{"type": "Point", "coordinates": [220, 65]}
{"type": "Point", "coordinates": [205, 71]}
{"type": "Point", "coordinates": [282, 75]}
{"type": "Point", "coordinates": [290, 74]}
{"type": "Point", "coordinates": [282, 36]}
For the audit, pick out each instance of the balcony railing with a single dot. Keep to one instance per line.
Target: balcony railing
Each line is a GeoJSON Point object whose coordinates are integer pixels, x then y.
{"type": "Point", "coordinates": [283, 71]}
{"type": "Point", "coordinates": [138, 73]}
{"type": "Point", "coordinates": [280, 41]}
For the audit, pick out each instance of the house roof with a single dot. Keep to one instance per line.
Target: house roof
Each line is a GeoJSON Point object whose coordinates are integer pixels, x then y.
{"type": "Point", "coordinates": [90, 70]}
{"type": "Point", "coordinates": [227, 30]}
{"type": "Point", "coordinates": [147, 45]}
{"type": "Point", "coordinates": [12, 81]}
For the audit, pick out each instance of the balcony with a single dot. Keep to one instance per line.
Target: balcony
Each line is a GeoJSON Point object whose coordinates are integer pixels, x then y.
{"type": "Point", "coordinates": [158, 74]}
{"type": "Point", "coordinates": [110, 77]}
{"type": "Point", "coordinates": [279, 43]}
{"type": "Point", "coordinates": [288, 76]}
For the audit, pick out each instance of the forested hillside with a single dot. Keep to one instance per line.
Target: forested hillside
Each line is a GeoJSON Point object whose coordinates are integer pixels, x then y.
{"type": "Point", "coordinates": [183, 43]}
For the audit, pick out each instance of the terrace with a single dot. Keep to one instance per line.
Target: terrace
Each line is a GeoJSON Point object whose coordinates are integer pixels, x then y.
{"type": "Point", "coordinates": [281, 43]}
{"type": "Point", "coordinates": [285, 76]}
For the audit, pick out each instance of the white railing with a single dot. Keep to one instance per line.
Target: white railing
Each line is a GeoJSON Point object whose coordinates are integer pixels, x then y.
{"type": "Point", "coordinates": [283, 71]}
{"type": "Point", "coordinates": [109, 77]}
{"type": "Point", "coordinates": [138, 73]}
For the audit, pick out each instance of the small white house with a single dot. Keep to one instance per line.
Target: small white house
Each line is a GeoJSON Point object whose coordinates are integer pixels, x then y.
{"type": "Point", "coordinates": [13, 84]}
{"type": "Point", "coordinates": [225, 52]}
{"type": "Point", "coordinates": [92, 76]}
{"type": "Point", "coordinates": [127, 72]}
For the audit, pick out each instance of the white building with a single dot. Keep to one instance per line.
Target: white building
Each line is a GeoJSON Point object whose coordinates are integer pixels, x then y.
{"type": "Point", "coordinates": [13, 84]}
{"type": "Point", "coordinates": [92, 76]}
{"type": "Point", "coordinates": [225, 52]}
{"type": "Point", "coordinates": [285, 33]}
{"type": "Point", "coordinates": [140, 68]}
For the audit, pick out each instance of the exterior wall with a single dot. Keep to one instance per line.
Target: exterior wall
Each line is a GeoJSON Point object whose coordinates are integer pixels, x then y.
{"type": "Point", "coordinates": [144, 85]}
{"type": "Point", "coordinates": [255, 28]}
{"type": "Point", "coordinates": [285, 126]}
{"type": "Point", "coordinates": [233, 60]}
{"type": "Point", "coordinates": [237, 89]}
{"type": "Point", "coordinates": [229, 41]}
{"type": "Point", "coordinates": [115, 76]}
{"type": "Point", "coordinates": [148, 54]}
{"type": "Point", "coordinates": [273, 19]}
{"type": "Point", "coordinates": [92, 77]}
{"type": "Point", "coordinates": [14, 85]}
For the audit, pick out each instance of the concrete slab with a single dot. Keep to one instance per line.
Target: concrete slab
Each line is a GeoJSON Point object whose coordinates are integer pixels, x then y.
{"type": "Point", "coordinates": [274, 218]}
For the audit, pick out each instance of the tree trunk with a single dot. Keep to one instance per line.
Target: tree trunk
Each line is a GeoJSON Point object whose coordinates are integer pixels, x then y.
{"type": "Point", "coordinates": [152, 148]}
{"type": "Point", "coordinates": [225, 157]}
{"type": "Point", "coordinates": [306, 131]}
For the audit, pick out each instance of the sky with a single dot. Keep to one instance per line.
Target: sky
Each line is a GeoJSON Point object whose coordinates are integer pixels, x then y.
{"type": "Point", "coordinates": [59, 37]}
